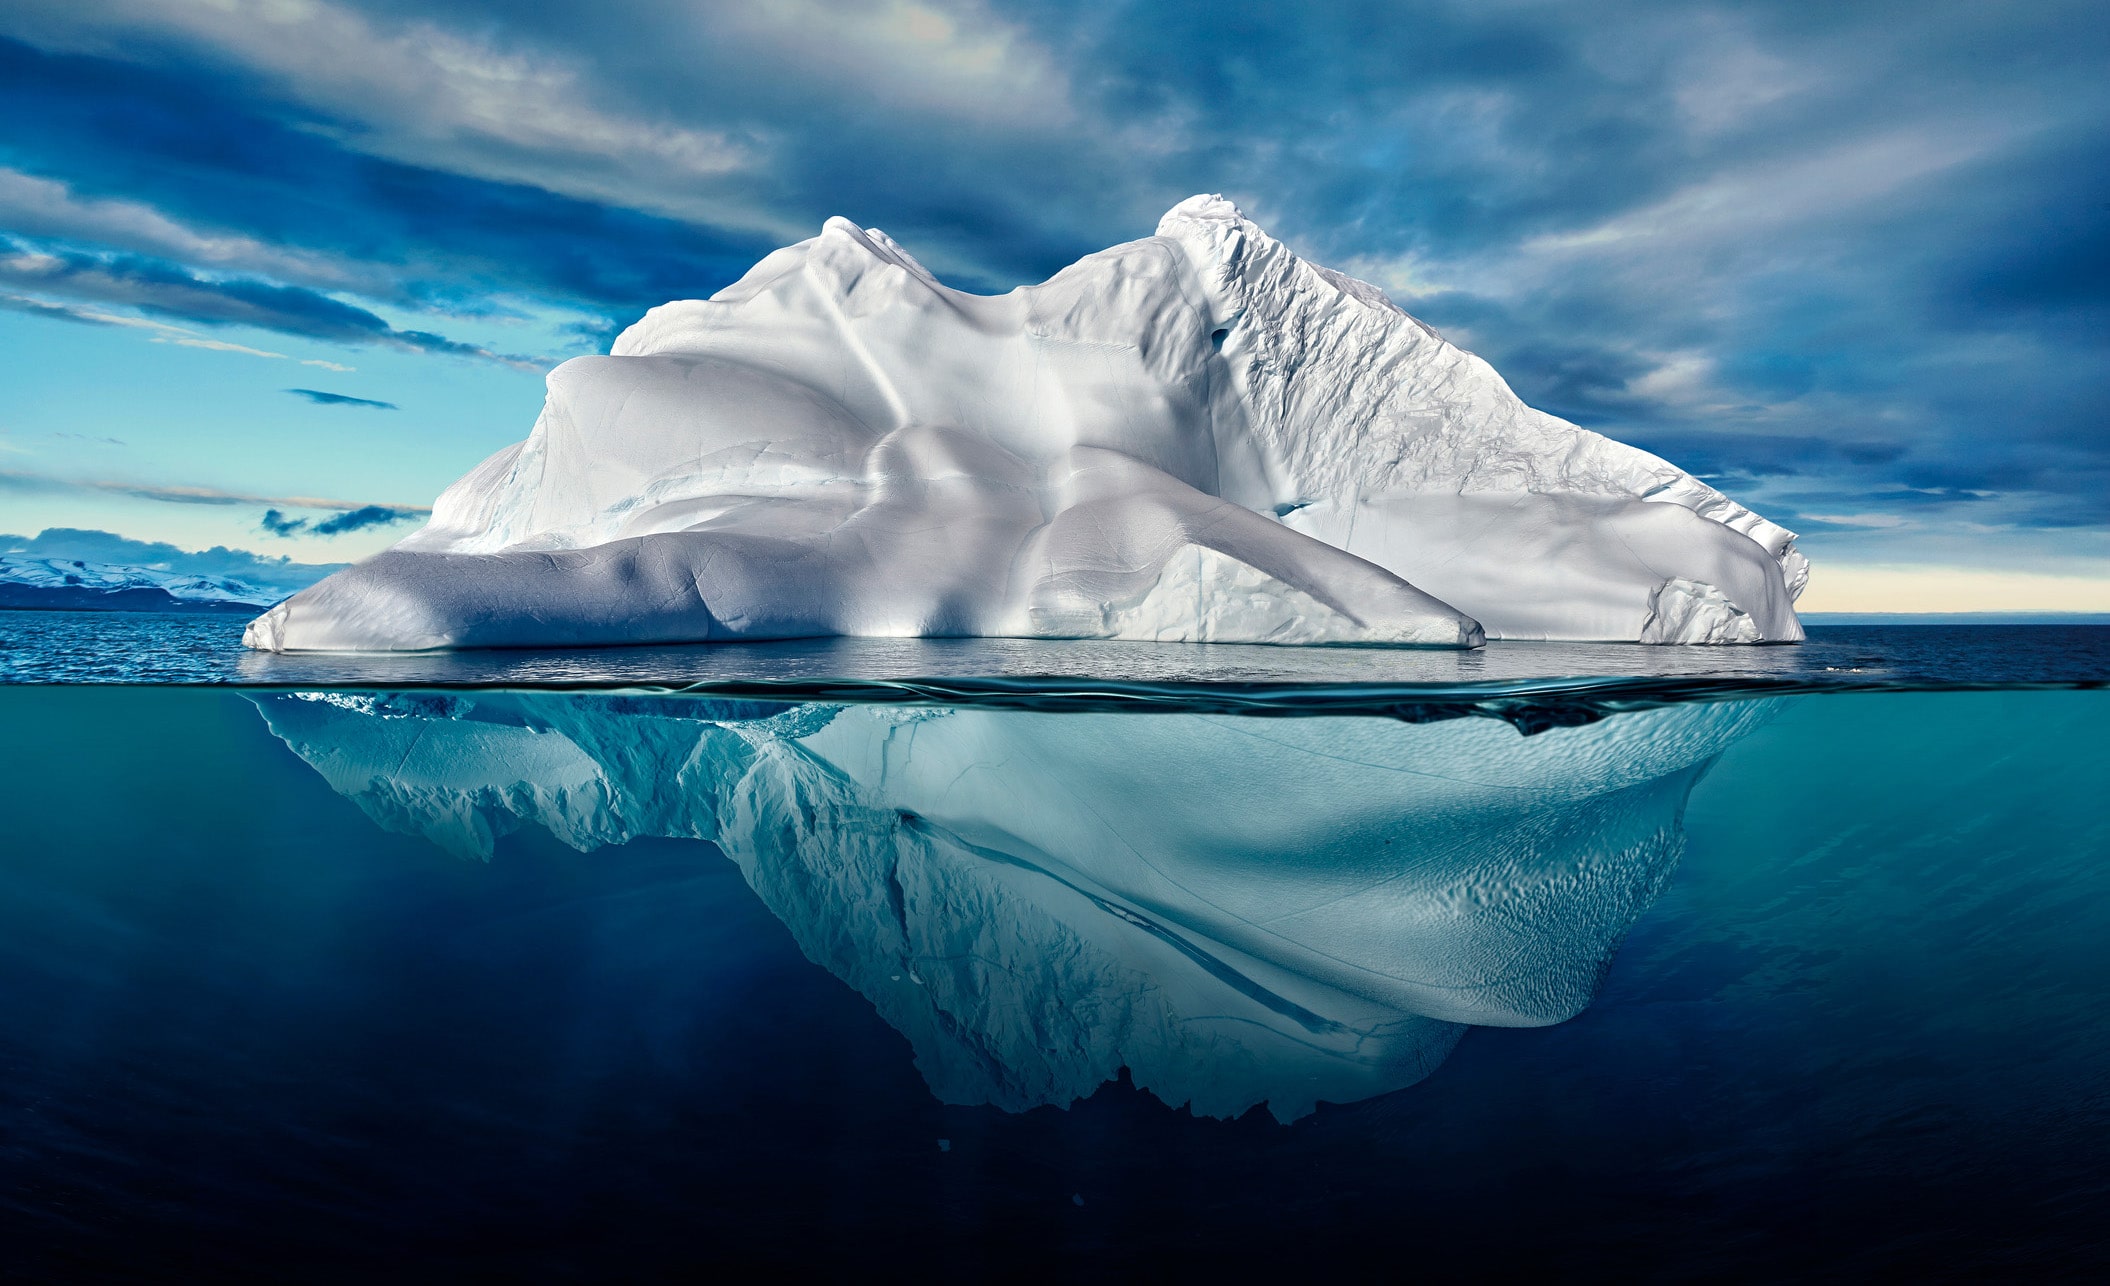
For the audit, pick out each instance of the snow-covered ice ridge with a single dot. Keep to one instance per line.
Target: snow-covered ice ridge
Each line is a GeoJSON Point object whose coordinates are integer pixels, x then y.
{"type": "Point", "coordinates": [110, 578]}
{"type": "Point", "coordinates": [1197, 436]}
{"type": "Point", "coordinates": [1238, 911]}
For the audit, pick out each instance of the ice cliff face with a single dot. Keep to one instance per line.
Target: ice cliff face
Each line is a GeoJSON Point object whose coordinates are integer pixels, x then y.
{"type": "Point", "coordinates": [1196, 436]}
{"type": "Point", "coordinates": [1237, 910]}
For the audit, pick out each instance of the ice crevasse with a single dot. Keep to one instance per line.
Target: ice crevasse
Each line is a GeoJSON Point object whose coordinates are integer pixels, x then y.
{"type": "Point", "coordinates": [1197, 436]}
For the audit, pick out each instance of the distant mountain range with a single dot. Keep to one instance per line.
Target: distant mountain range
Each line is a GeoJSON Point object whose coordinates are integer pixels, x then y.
{"type": "Point", "coordinates": [72, 584]}
{"type": "Point", "coordinates": [77, 569]}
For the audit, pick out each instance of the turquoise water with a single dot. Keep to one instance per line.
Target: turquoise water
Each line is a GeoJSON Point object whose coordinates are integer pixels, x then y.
{"type": "Point", "coordinates": [338, 982]}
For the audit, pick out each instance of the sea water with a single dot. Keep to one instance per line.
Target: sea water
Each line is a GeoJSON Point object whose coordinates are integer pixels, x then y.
{"type": "Point", "coordinates": [850, 959]}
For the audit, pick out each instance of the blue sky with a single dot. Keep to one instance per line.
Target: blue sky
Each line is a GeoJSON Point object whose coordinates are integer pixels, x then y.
{"type": "Point", "coordinates": [308, 258]}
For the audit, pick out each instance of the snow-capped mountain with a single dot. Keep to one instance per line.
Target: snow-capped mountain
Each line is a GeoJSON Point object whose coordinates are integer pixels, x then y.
{"type": "Point", "coordinates": [34, 581]}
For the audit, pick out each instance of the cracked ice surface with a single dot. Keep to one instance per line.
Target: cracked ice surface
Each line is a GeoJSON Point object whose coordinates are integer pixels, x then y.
{"type": "Point", "coordinates": [1237, 910]}
{"type": "Point", "coordinates": [1196, 436]}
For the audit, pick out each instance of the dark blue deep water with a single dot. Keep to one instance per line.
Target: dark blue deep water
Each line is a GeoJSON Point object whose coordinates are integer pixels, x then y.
{"type": "Point", "coordinates": [346, 983]}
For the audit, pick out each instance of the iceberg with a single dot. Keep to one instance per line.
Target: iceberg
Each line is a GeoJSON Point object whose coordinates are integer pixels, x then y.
{"type": "Point", "coordinates": [1197, 436]}
{"type": "Point", "coordinates": [1236, 910]}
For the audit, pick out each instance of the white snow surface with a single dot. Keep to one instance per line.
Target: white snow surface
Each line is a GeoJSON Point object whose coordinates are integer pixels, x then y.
{"type": "Point", "coordinates": [63, 573]}
{"type": "Point", "coordinates": [1237, 910]}
{"type": "Point", "coordinates": [1196, 436]}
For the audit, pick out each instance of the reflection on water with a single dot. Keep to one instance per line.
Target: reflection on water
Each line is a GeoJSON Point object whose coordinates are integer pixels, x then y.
{"type": "Point", "coordinates": [1236, 910]}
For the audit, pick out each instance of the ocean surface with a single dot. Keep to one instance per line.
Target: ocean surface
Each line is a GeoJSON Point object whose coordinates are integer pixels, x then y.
{"type": "Point", "coordinates": [174, 648]}
{"type": "Point", "coordinates": [965, 959]}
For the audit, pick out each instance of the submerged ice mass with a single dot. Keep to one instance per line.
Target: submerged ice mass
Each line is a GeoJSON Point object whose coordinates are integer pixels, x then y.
{"type": "Point", "coordinates": [1197, 436]}
{"type": "Point", "coordinates": [1236, 910]}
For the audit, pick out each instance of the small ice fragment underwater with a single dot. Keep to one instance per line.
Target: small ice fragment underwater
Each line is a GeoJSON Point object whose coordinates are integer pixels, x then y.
{"type": "Point", "coordinates": [1239, 911]}
{"type": "Point", "coordinates": [1197, 436]}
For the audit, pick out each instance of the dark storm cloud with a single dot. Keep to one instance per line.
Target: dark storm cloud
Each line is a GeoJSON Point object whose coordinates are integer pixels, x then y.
{"type": "Point", "coordinates": [361, 518]}
{"type": "Point", "coordinates": [277, 523]}
{"type": "Point", "coordinates": [108, 547]}
{"type": "Point", "coordinates": [321, 398]}
{"type": "Point", "coordinates": [2045, 259]}
{"type": "Point", "coordinates": [50, 311]}
{"type": "Point", "coordinates": [208, 148]}
{"type": "Point", "coordinates": [1779, 243]}
{"type": "Point", "coordinates": [167, 290]}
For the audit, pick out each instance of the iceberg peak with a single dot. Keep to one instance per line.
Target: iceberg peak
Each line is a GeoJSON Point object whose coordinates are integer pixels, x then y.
{"type": "Point", "coordinates": [1196, 436]}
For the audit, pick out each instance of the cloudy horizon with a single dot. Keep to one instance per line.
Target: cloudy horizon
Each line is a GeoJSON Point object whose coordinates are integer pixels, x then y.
{"type": "Point", "coordinates": [277, 271]}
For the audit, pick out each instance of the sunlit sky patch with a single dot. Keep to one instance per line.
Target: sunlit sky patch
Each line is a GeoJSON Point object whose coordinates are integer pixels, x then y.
{"type": "Point", "coordinates": [1847, 261]}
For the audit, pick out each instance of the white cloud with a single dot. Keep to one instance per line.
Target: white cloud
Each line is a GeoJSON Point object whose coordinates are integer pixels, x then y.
{"type": "Point", "coordinates": [162, 332]}
{"type": "Point", "coordinates": [1677, 379]}
{"type": "Point", "coordinates": [421, 94]}
{"type": "Point", "coordinates": [469, 102]}
{"type": "Point", "coordinates": [42, 207]}
{"type": "Point", "coordinates": [1883, 522]}
{"type": "Point", "coordinates": [1725, 79]}
{"type": "Point", "coordinates": [18, 480]}
{"type": "Point", "coordinates": [1404, 277]}
{"type": "Point", "coordinates": [1763, 198]}
{"type": "Point", "coordinates": [213, 345]}
{"type": "Point", "coordinates": [957, 59]}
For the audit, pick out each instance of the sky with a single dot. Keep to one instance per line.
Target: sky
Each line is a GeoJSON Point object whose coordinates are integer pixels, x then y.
{"type": "Point", "coordinates": [274, 272]}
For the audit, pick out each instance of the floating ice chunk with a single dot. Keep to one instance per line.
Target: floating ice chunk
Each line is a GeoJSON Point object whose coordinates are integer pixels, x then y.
{"type": "Point", "coordinates": [1685, 611]}
{"type": "Point", "coordinates": [1197, 435]}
